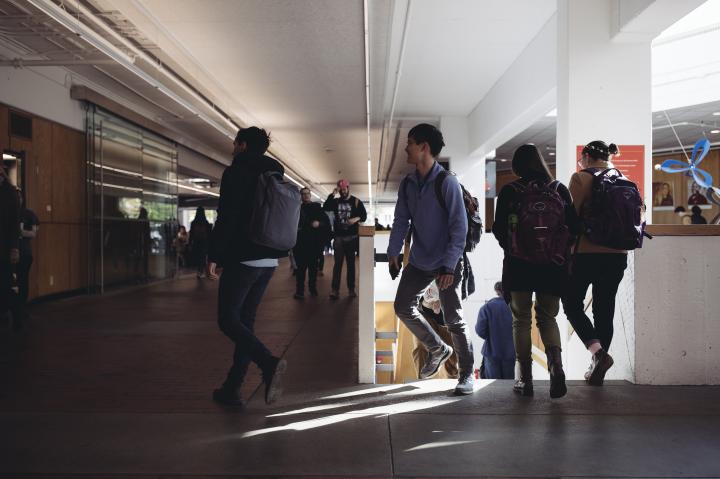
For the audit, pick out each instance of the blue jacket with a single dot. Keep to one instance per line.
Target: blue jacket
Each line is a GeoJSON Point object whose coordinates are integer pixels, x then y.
{"type": "Point", "coordinates": [438, 238]}
{"type": "Point", "coordinates": [494, 325]}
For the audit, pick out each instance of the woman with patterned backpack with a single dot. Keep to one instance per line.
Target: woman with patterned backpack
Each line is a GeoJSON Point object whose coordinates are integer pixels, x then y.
{"type": "Point", "coordinates": [534, 223]}
{"type": "Point", "coordinates": [610, 209]}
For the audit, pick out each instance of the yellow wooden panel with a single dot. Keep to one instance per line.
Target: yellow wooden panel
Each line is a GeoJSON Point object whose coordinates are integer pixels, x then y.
{"type": "Point", "coordinates": [53, 259]}
{"type": "Point", "coordinates": [68, 185]}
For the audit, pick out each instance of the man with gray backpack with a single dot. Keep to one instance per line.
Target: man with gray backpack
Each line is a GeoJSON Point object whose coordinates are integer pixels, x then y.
{"type": "Point", "coordinates": [611, 214]}
{"type": "Point", "coordinates": [257, 220]}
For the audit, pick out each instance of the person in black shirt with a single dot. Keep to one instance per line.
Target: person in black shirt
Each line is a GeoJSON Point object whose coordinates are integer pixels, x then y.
{"type": "Point", "coordinates": [313, 231]}
{"type": "Point", "coordinates": [348, 211]}
{"type": "Point", "coordinates": [9, 237]}
{"type": "Point", "coordinates": [200, 230]}
{"type": "Point", "coordinates": [28, 230]}
{"type": "Point", "coordinates": [697, 218]}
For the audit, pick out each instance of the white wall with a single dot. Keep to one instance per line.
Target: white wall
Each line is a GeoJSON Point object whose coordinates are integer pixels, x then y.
{"type": "Point", "coordinates": [677, 308]}
{"type": "Point", "coordinates": [44, 92]}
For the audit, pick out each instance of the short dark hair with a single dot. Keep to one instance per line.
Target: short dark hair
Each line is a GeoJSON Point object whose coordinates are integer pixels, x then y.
{"type": "Point", "coordinates": [679, 209]}
{"type": "Point", "coordinates": [305, 188]}
{"type": "Point", "coordinates": [426, 133]}
{"type": "Point", "coordinates": [599, 150]}
{"type": "Point", "coordinates": [498, 288]}
{"type": "Point", "coordinates": [256, 139]}
{"type": "Point", "coordinates": [527, 162]}
{"type": "Point", "coordinates": [696, 210]}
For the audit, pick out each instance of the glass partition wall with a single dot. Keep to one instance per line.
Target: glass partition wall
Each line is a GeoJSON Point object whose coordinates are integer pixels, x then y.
{"type": "Point", "coordinates": [132, 202]}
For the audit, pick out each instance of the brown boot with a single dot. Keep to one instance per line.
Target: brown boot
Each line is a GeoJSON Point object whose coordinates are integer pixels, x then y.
{"type": "Point", "coordinates": [557, 376]}
{"type": "Point", "coordinates": [523, 378]}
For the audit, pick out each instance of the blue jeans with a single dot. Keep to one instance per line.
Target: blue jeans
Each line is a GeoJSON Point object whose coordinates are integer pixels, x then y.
{"type": "Point", "coordinates": [240, 292]}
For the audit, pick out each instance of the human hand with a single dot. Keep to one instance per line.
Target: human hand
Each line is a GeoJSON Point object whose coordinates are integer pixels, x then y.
{"type": "Point", "coordinates": [394, 265]}
{"type": "Point", "coordinates": [444, 281]}
{"type": "Point", "coordinates": [315, 224]}
{"type": "Point", "coordinates": [352, 221]}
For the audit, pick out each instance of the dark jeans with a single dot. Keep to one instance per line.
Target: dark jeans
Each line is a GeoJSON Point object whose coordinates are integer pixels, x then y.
{"type": "Point", "coordinates": [413, 284]}
{"type": "Point", "coordinates": [23, 277]}
{"type": "Point", "coordinates": [306, 259]}
{"type": "Point", "coordinates": [346, 248]}
{"type": "Point", "coordinates": [603, 271]}
{"type": "Point", "coordinates": [240, 292]}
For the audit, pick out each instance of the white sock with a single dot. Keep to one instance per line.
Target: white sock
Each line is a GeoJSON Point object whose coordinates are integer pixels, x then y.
{"type": "Point", "coordinates": [594, 348]}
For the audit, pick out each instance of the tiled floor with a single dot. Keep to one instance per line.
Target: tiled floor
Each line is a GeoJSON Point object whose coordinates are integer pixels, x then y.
{"type": "Point", "coordinates": [119, 386]}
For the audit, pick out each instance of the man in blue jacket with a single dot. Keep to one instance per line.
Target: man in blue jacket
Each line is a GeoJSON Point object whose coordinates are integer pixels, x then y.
{"type": "Point", "coordinates": [246, 267]}
{"type": "Point", "coordinates": [438, 242]}
{"type": "Point", "coordinates": [494, 325]}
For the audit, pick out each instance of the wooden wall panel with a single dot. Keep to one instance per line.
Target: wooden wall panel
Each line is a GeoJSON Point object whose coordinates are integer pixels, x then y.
{"type": "Point", "coordinates": [4, 128]}
{"type": "Point", "coordinates": [68, 175]}
{"type": "Point", "coordinates": [54, 259]}
{"type": "Point", "coordinates": [41, 166]}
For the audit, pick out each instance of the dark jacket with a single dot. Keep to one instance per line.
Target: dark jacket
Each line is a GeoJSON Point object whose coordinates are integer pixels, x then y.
{"type": "Point", "coordinates": [309, 237]}
{"type": "Point", "coordinates": [343, 210]}
{"type": "Point", "coordinates": [9, 219]}
{"type": "Point", "coordinates": [520, 275]}
{"type": "Point", "coordinates": [494, 325]}
{"type": "Point", "coordinates": [230, 243]}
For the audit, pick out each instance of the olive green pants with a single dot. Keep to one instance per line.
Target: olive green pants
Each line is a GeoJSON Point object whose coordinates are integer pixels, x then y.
{"type": "Point", "coordinates": [546, 309]}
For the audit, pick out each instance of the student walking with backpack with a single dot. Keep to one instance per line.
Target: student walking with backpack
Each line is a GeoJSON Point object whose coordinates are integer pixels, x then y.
{"type": "Point", "coordinates": [534, 223]}
{"type": "Point", "coordinates": [257, 221]}
{"type": "Point", "coordinates": [610, 210]}
{"type": "Point", "coordinates": [439, 237]}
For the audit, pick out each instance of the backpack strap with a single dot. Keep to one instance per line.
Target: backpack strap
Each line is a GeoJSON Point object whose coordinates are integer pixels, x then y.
{"type": "Point", "coordinates": [439, 180]}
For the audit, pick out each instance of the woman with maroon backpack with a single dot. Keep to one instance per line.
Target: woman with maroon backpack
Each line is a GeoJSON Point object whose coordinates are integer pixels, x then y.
{"type": "Point", "coordinates": [534, 223]}
{"type": "Point", "coordinates": [610, 210]}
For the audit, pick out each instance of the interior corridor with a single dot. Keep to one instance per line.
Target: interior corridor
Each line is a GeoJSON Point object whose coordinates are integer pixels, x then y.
{"type": "Point", "coordinates": [120, 385]}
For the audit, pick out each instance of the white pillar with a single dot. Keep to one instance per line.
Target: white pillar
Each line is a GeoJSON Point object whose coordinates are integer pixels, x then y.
{"type": "Point", "coordinates": [603, 85]}
{"type": "Point", "coordinates": [366, 307]}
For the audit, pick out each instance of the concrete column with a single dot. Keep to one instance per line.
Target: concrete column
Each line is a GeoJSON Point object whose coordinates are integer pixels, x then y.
{"type": "Point", "coordinates": [470, 170]}
{"type": "Point", "coordinates": [603, 85]}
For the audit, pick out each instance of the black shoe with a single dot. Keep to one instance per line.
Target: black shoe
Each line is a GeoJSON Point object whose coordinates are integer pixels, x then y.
{"type": "Point", "coordinates": [273, 380]}
{"type": "Point", "coordinates": [228, 398]}
{"type": "Point", "coordinates": [335, 294]}
{"type": "Point", "coordinates": [523, 378]}
{"type": "Point", "coordinates": [602, 361]}
{"type": "Point", "coordinates": [352, 293]}
{"type": "Point", "coordinates": [557, 375]}
{"type": "Point", "coordinates": [313, 292]}
{"type": "Point", "coordinates": [299, 296]}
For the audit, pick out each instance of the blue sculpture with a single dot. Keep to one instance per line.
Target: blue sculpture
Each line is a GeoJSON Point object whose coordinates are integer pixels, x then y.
{"type": "Point", "coordinates": [701, 177]}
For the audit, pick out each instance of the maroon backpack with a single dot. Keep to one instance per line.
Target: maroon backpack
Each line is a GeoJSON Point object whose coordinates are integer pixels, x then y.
{"type": "Point", "coordinates": [538, 231]}
{"type": "Point", "coordinates": [613, 216]}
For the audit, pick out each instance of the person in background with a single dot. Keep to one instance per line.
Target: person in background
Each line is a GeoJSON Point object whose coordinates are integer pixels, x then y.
{"type": "Point", "coordinates": [199, 240]}
{"type": "Point", "coordinates": [28, 230]}
{"type": "Point", "coordinates": [494, 325]}
{"type": "Point", "coordinates": [684, 216]}
{"type": "Point", "coordinates": [181, 243]}
{"type": "Point", "coordinates": [348, 211]}
{"type": "Point", "coordinates": [9, 238]}
{"type": "Point", "coordinates": [313, 230]}
{"type": "Point", "coordinates": [697, 218]}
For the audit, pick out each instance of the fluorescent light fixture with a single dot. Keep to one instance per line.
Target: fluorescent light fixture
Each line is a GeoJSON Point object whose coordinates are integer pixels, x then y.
{"type": "Point", "coordinates": [9, 157]}
{"type": "Point", "coordinates": [367, 98]}
{"type": "Point", "coordinates": [551, 154]}
{"type": "Point", "coordinates": [717, 113]}
{"type": "Point", "coordinates": [503, 160]}
{"type": "Point", "coordinates": [294, 181]}
{"type": "Point", "coordinates": [552, 113]}
{"type": "Point", "coordinates": [316, 195]}
{"type": "Point", "coordinates": [714, 131]}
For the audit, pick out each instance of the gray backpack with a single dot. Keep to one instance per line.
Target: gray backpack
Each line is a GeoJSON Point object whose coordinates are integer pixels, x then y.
{"type": "Point", "coordinates": [276, 212]}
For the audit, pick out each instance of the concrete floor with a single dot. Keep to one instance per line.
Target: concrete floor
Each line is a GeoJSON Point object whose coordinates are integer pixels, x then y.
{"type": "Point", "coordinates": [120, 386]}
